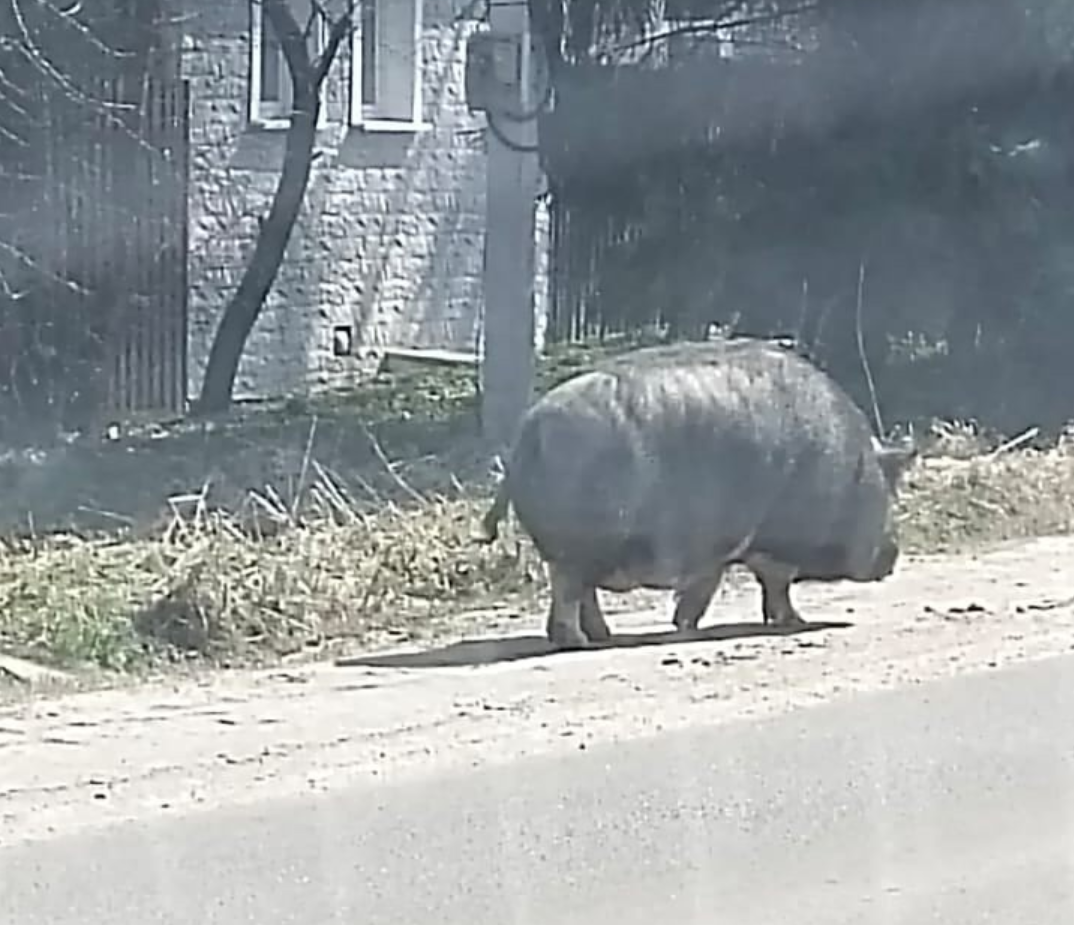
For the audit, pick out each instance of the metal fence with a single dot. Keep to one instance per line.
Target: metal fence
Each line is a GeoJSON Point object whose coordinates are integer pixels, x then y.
{"type": "Point", "coordinates": [96, 325]}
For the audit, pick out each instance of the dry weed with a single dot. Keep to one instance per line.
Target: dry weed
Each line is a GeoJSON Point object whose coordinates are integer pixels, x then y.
{"type": "Point", "coordinates": [264, 583]}
{"type": "Point", "coordinates": [1007, 493]}
{"type": "Point", "coordinates": [273, 579]}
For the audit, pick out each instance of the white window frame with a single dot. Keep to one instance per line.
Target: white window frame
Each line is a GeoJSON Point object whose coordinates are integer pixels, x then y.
{"type": "Point", "coordinates": [270, 114]}
{"type": "Point", "coordinates": [397, 47]}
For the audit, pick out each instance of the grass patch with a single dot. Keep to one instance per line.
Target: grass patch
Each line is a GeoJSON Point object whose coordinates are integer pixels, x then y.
{"type": "Point", "coordinates": [954, 504]}
{"type": "Point", "coordinates": [228, 589]}
{"type": "Point", "coordinates": [251, 587]}
{"type": "Point", "coordinates": [345, 522]}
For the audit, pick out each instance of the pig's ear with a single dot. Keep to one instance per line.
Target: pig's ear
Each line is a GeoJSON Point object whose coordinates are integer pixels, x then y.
{"type": "Point", "coordinates": [894, 460]}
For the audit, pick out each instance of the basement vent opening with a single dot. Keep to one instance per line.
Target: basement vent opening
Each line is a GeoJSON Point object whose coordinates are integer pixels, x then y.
{"type": "Point", "coordinates": [342, 340]}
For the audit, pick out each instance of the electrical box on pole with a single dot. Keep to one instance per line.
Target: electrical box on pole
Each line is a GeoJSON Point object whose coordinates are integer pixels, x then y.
{"type": "Point", "coordinates": [493, 71]}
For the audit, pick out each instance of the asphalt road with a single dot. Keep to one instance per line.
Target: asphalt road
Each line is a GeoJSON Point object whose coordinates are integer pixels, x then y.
{"type": "Point", "coordinates": [951, 802]}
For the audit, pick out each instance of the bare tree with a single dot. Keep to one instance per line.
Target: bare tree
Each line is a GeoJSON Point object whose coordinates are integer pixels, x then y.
{"type": "Point", "coordinates": [308, 75]}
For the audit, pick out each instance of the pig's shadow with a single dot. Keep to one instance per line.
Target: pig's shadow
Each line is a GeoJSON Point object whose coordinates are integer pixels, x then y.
{"type": "Point", "coordinates": [515, 648]}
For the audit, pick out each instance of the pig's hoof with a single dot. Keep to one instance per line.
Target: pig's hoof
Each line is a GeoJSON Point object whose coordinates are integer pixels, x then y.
{"type": "Point", "coordinates": [595, 627]}
{"type": "Point", "coordinates": [568, 637]}
{"type": "Point", "coordinates": [598, 634]}
{"type": "Point", "coordinates": [687, 628]}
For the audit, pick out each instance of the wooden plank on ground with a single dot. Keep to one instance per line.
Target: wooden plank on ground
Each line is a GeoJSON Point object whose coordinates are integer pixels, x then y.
{"type": "Point", "coordinates": [394, 357]}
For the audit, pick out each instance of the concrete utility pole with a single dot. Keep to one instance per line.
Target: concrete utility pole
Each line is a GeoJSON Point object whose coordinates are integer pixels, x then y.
{"type": "Point", "coordinates": [507, 367]}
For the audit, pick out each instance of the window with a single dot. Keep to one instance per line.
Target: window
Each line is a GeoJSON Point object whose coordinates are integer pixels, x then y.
{"type": "Point", "coordinates": [386, 65]}
{"type": "Point", "coordinates": [270, 79]}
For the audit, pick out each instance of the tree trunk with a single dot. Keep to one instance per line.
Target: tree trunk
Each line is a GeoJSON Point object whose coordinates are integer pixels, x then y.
{"type": "Point", "coordinates": [242, 311]}
{"type": "Point", "coordinates": [245, 306]}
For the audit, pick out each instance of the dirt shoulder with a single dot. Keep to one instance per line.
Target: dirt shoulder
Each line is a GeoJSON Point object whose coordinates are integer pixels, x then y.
{"type": "Point", "coordinates": [169, 748]}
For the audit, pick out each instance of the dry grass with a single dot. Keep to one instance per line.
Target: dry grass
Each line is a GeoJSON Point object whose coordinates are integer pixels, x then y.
{"type": "Point", "coordinates": [254, 586]}
{"type": "Point", "coordinates": [268, 581]}
{"type": "Point", "coordinates": [951, 504]}
{"type": "Point", "coordinates": [323, 562]}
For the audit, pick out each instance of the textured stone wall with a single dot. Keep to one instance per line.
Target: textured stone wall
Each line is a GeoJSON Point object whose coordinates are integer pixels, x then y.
{"type": "Point", "coordinates": [391, 235]}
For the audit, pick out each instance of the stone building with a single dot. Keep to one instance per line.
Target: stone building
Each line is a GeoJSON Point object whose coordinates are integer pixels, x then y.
{"type": "Point", "coordinates": [388, 248]}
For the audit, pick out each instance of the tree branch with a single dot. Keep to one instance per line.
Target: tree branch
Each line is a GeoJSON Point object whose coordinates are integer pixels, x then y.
{"type": "Point", "coordinates": [720, 25]}
{"type": "Point", "coordinates": [292, 41]}
{"type": "Point", "coordinates": [341, 28]}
